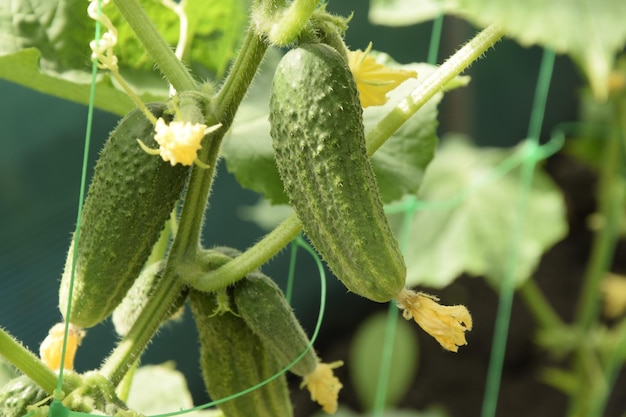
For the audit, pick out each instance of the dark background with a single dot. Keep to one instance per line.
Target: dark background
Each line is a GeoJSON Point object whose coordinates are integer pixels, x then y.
{"type": "Point", "coordinates": [40, 165]}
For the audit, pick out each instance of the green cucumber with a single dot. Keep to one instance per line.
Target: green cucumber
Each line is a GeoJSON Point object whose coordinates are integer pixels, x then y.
{"type": "Point", "coordinates": [17, 394]}
{"type": "Point", "coordinates": [234, 359]}
{"type": "Point", "coordinates": [318, 136]}
{"type": "Point", "coordinates": [262, 305]}
{"type": "Point", "coordinates": [130, 197]}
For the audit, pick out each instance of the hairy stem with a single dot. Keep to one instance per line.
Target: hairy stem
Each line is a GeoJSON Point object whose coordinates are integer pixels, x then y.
{"type": "Point", "coordinates": [251, 259]}
{"type": "Point", "coordinates": [173, 70]}
{"type": "Point", "coordinates": [455, 65]}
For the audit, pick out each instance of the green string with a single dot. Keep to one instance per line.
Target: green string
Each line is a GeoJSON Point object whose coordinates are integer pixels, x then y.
{"type": "Point", "coordinates": [384, 372]}
{"type": "Point", "coordinates": [83, 182]}
{"type": "Point", "coordinates": [507, 288]}
{"type": "Point", "coordinates": [299, 242]}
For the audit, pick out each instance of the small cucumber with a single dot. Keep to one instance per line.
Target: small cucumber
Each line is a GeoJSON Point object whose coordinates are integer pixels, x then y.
{"type": "Point", "coordinates": [17, 394]}
{"type": "Point", "coordinates": [262, 305]}
{"type": "Point", "coordinates": [234, 359]}
{"type": "Point", "coordinates": [130, 197]}
{"type": "Point", "coordinates": [318, 136]}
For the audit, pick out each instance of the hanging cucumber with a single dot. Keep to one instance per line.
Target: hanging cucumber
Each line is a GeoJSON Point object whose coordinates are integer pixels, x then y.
{"type": "Point", "coordinates": [234, 359]}
{"type": "Point", "coordinates": [318, 136]}
{"type": "Point", "coordinates": [130, 197]}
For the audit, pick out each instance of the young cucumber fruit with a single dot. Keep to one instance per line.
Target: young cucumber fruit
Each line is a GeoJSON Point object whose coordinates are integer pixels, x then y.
{"type": "Point", "coordinates": [234, 359]}
{"type": "Point", "coordinates": [130, 197]}
{"type": "Point", "coordinates": [318, 136]}
{"type": "Point", "coordinates": [262, 305]}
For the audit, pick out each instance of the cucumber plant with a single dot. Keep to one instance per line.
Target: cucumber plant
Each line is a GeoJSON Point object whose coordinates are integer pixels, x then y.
{"type": "Point", "coordinates": [122, 262]}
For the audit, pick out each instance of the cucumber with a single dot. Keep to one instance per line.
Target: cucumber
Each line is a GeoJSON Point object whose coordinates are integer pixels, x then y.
{"type": "Point", "coordinates": [234, 359]}
{"type": "Point", "coordinates": [17, 394]}
{"type": "Point", "coordinates": [318, 137]}
{"type": "Point", "coordinates": [262, 305]}
{"type": "Point", "coordinates": [130, 197]}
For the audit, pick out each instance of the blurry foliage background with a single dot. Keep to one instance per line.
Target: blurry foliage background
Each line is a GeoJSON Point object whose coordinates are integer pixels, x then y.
{"type": "Point", "coordinates": [40, 165]}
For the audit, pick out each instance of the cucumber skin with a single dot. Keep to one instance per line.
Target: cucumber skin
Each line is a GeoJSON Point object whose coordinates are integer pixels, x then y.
{"type": "Point", "coordinates": [17, 394]}
{"type": "Point", "coordinates": [262, 305]}
{"type": "Point", "coordinates": [318, 136]}
{"type": "Point", "coordinates": [233, 359]}
{"type": "Point", "coordinates": [129, 199]}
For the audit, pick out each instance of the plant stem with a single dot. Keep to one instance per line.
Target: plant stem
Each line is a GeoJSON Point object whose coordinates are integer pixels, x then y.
{"type": "Point", "coordinates": [292, 22]}
{"type": "Point", "coordinates": [541, 310]}
{"type": "Point", "coordinates": [251, 259]}
{"type": "Point", "coordinates": [173, 70]}
{"type": "Point", "coordinates": [225, 107]}
{"type": "Point", "coordinates": [456, 64]}
{"type": "Point", "coordinates": [611, 204]}
{"type": "Point", "coordinates": [239, 78]}
{"type": "Point", "coordinates": [31, 365]}
{"type": "Point", "coordinates": [612, 192]}
{"type": "Point", "coordinates": [185, 247]}
{"type": "Point", "coordinates": [507, 285]}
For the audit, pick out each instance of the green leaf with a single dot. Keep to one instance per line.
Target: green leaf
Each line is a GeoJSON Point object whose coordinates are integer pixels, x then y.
{"type": "Point", "coordinates": [214, 30]}
{"type": "Point", "coordinates": [366, 357]}
{"type": "Point", "coordinates": [467, 213]}
{"type": "Point", "coordinates": [23, 68]}
{"type": "Point", "coordinates": [218, 29]}
{"type": "Point", "coordinates": [44, 45]}
{"type": "Point", "coordinates": [158, 389]}
{"type": "Point", "coordinates": [60, 30]}
{"type": "Point", "coordinates": [399, 164]}
{"type": "Point", "coordinates": [590, 31]}
{"type": "Point", "coordinates": [403, 12]}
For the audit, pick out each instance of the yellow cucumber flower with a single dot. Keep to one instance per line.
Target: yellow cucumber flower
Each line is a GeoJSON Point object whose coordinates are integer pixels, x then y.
{"type": "Point", "coordinates": [374, 80]}
{"type": "Point", "coordinates": [447, 324]}
{"type": "Point", "coordinates": [324, 386]}
{"type": "Point", "coordinates": [179, 142]}
{"type": "Point", "coordinates": [50, 350]}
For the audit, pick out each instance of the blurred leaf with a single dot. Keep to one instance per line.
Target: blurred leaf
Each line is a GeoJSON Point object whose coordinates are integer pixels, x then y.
{"type": "Point", "coordinates": [60, 30]}
{"type": "Point", "coordinates": [7, 371]}
{"type": "Point", "coordinates": [366, 356]}
{"type": "Point", "coordinates": [215, 29]}
{"type": "Point", "coordinates": [44, 45]}
{"type": "Point", "coordinates": [346, 412]}
{"type": "Point", "coordinates": [403, 12]}
{"type": "Point", "coordinates": [158, 389]}
{"type": "Point", "coordinates": [468, 207]}
{"type": "Point", "coordinates": [590, 31]}
{"type": "Point", "coordinates": [22, 68]}
{"type": "Point", "coordinates": [399, 164]}
{"type": "Point", "coordinates": [218, 29]}
{"type": "Point", "coordinates": [264, 214]}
